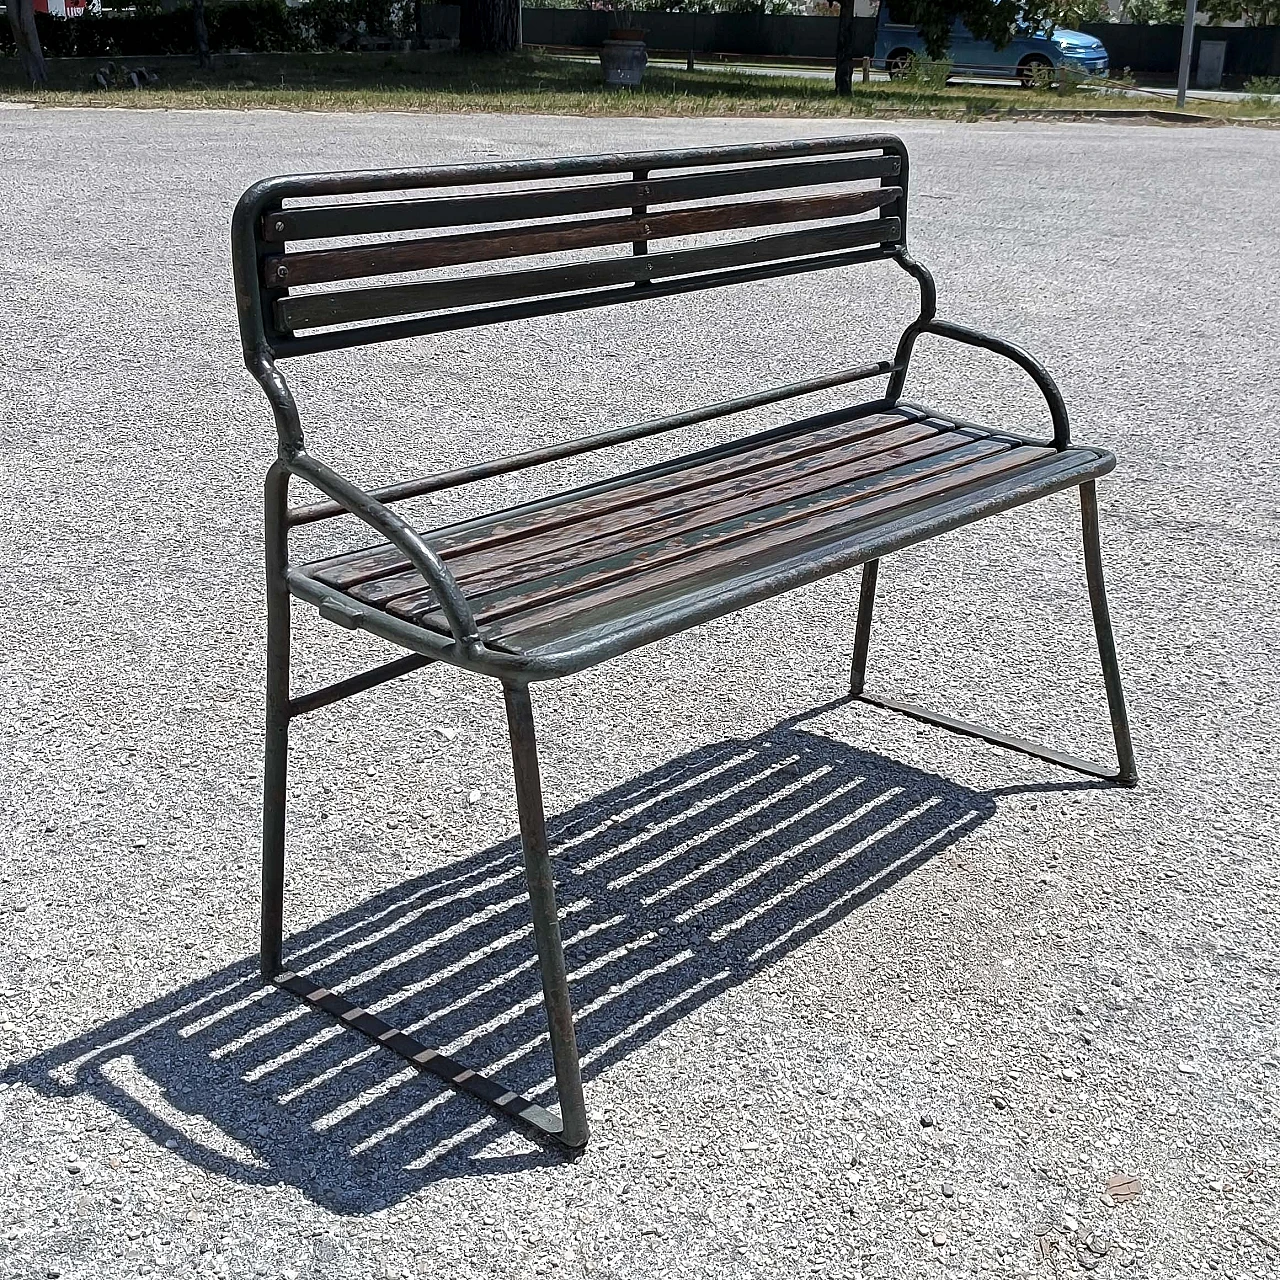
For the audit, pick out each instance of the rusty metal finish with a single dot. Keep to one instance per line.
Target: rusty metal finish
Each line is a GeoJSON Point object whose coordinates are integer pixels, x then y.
{"type": "Point", "coordinates": [573, 579]}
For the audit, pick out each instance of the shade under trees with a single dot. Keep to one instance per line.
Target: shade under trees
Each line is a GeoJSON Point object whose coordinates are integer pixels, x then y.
{"type": "Point", "coordinates": [489, 26]}
{"type": "Point", "coordinates": [22, 22]}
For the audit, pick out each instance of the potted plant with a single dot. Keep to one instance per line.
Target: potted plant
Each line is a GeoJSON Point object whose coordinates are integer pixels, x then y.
{"type": "Point", "coordinates": [623, 56]}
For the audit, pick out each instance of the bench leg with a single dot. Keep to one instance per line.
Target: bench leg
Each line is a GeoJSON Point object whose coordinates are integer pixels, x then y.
{"type": "Point", "coordinates": [546, 919]}
{"type": "Point", "coordinates": [275, 762]}
{"type": "Point", "coordinates": [566, 1130]}
{"type": "Point", "coordinates": [1126, 773]}
{"type": "Point", "coordinates": [862, 632]}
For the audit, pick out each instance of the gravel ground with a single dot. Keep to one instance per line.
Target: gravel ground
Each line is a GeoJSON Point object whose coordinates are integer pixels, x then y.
{"type": "Point", "coordinates": [858, 998]}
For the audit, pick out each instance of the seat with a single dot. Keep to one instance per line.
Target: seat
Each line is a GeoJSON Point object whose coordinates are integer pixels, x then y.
{"type": "Point", "coordinates": [589, 573]}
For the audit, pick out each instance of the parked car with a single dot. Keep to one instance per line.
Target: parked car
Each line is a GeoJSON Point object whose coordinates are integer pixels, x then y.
{"type": "Point", "coordinates": [1028, 57]}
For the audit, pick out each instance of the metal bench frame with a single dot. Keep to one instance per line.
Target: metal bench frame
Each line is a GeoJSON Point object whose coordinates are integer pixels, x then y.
{"type": "Point", "coordinates": [262, 227]}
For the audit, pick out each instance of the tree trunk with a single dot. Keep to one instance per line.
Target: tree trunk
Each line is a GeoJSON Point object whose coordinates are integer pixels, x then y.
{"type": "Point", "coordinates": [22, 20]}
{"type": "Point", "coordinates": [844, 49]}
{"type": "Point", "coordinates": [202, 34]}
{"type": "Point", "coordinates": [489, 26]}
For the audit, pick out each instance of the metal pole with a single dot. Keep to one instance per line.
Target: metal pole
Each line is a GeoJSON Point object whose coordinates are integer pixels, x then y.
{"type": "Point", "coordinates": [1184, 63]}
{"type": "Point", "coordinates": [546, 917]}
{"type": "Point", "coordinates": [1127, 773]}
{"type": "Point", "coordinates": [862, 631]}
{"type": "Point", "coordinates": [275, 765]}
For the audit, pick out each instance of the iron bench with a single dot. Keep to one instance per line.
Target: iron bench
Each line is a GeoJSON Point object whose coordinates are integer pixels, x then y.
{"type": "Point", "coordinates": [550, 587]}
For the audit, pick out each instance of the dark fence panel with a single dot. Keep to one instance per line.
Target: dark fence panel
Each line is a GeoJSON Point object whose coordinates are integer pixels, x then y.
{"type": "Point", "coordinates": [264, 25]}
{"type": "Point", "coordinates": [754, 34]}
{"type": "Point", "coordinates": [440, 21]}
{"type": "Point", "coordinates": [1145, 50]}
{"type": "Point", "coordinates": [1154, 50]}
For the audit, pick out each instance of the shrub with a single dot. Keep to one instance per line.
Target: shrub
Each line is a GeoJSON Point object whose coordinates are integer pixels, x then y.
{"type": "Point", "coordinates": [931, 73]}
{"type": "Point", "coordinates": [1154, 12]}
{"type": "Point", "coordinates": [246, 26]}
{"type": "Point", "coordinates": [1071, 13]}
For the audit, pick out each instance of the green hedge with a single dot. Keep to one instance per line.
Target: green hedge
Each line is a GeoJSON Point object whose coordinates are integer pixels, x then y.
{"type": "Point", "coordinates": [247, 26]}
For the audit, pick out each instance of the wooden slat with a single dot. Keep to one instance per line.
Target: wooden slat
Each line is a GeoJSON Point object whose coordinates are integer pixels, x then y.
{"type": "Point", "coordinates": [579, 537]}
{"type": "Point", "coordinates": [726, 542]}
{"type": "Point", "coordinates": [678, 570]}
{"type": "Point", "coordinates": [322, 266]}
{"type": "Point", "coordinates": [378, 217]}
{"type": "Point", "coordinates": [354, 567]}
{"type": "Point", "coordinates": [539, 559]}
{"type": "Point", "coordinates": [557, 304]}
{"type": "Point", "coordinates": [312, 310]}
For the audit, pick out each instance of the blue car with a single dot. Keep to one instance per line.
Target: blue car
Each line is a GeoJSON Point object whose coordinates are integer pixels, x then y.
{"type": "Point", "coordinates": [1029, 57]}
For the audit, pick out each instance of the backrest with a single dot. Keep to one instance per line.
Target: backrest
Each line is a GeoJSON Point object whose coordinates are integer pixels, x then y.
{"type": "Point", "coordinates": [338, 260]}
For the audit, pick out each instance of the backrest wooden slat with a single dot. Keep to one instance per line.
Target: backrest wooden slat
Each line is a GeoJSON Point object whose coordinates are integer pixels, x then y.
{"type": "Point", "coordinates": [322, 266]}
{"type": "Point", "coordinates": [376, 217]}
{"type": "Point", "coordinates": [311, 310]}
{"type": "Point", "coordinates": [392, 330]}
{"type": "Point", "coordinates": [327, 261]}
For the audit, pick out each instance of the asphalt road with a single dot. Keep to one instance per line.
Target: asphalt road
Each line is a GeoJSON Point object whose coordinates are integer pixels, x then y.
{"type": "Point", "coordinates": [930, 1058]}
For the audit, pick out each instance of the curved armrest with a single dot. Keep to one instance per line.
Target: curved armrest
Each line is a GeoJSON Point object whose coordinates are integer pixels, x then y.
{"type": "Point", "coordinates": [1039, 374]}
{"type": "Point", "coordinates": [456, 607]}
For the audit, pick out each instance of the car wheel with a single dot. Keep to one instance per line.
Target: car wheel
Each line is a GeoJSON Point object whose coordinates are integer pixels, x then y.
{"type": "Point", "coordinates": [898, 63]}
{"type": "Point", "coordinates": [1033, 69]}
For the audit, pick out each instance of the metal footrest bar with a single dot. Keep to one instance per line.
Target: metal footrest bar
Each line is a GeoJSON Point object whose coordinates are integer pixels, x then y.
{"type": "Point", "coordinates": [370, 679]}
{"type": "Point", "coordinates": [995, 737]}
{"type": "Point", "coordinates": [514, 1106]}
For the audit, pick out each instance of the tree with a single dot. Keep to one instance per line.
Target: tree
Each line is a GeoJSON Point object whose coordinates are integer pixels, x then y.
{"type": "Point", "coordinates": [845, 44]}
{"type": "Point", "coordinates": [1071, 13]}
{"type": "Point", "coordinates": [489, 26]}
{"type": "Point", "coordinates": [201, 33]}
{"type": "Point", "coordinates": [994, 20]}
{"type": "Point", "coordinates": [1155, 12]}
{"type": "Point", "coordinates": [1253, 13]}
{"type": "Point", "coordinates": [22, 21]}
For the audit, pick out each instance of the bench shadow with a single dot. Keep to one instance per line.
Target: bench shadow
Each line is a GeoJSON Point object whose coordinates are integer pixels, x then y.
{"type": "Point", "coordinates": [674, 887]}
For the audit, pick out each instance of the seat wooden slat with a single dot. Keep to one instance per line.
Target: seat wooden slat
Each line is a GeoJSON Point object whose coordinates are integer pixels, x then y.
{"type": "Point", "coordinates": [765, 526]}
{"type": "Point", "coordinates": [586, 559]}
{"type": "Point", "coordinates": [660, 521]}
{"type": "Point", "coordinates": [314, 310]}
{"type": "Point", "coordinates": [383, 216]}
{"type": "Point", "coordinates": [323, 266]}
{"type": "Point", "coordinates": [680, 476]}
{"type": "Point", "coordinates": [682, 569]}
